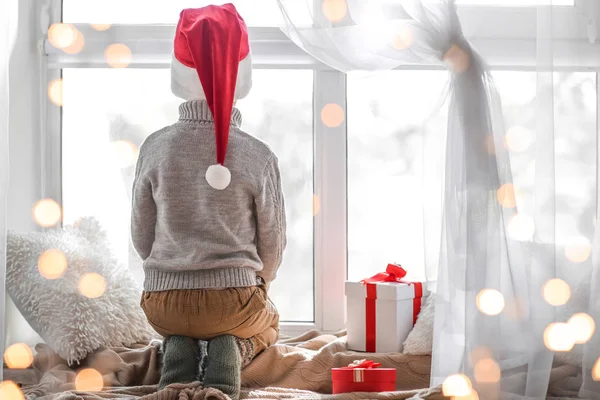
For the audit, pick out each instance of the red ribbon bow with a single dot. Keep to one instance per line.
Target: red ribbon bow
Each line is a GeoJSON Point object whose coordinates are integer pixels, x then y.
{"type": "Point", "coordinates": [393, 273]}
{"type": "Point", "coordinates": [366, 364]}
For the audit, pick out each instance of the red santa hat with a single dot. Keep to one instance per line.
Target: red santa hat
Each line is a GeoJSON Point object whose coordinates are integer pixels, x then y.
{"type": "Point", "coordinates": [212, 62]}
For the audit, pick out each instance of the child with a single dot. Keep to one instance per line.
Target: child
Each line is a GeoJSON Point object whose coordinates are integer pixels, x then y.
{"type": "Point", "coordinates": [211, 236]}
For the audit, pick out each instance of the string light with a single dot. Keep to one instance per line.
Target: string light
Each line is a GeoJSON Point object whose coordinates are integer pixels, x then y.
{"type": "Point", "coordinates": [596, 370]}
{"type": "Point", "coordinates": [92, 285]}
{"type": "Point", "coordinates": [559, 336]}
{"type": "Point", "coordinates": [404, 38]}
{"type": "Point", "coordinates": [471, 396]}
{"type": "Point", "coordinates": [518, 138]}
{"type": "Point", "coordinates": [332, 115]}
{"type": "Point", "coordinates": [520, 227]}
{"type": "Point", "coordinates": [10, 391]}
{"type": "Point", "coordinates": [316, 205]}
{"type": "Point", "coordinates": [89, 380]}
{"type": "Point", "coordinates": [556, 292]}
{"type": "Point", "coordinates": [583, 327]}
{"type": "Point", "coordinates": [62, 36]}
{"type": "Point", "coordinates": [52, 264]}
{"type": "Point", "coordinates": [55, 92]}
{"type": "Point", "coordinates": [457, 60]}
{"type": "Point", "coordinates": [578, 249]}
{"type": "Point", "coordinates": [490, 302]}
{"type": "Point", "coordinates": [101, 27]}
{"type": "Point", "coordinates": [18, 356]}
{"type": "Point", "coordinates": [334, 10]}
{"type": "Point", "coordinates": [118, 55]}
{"type": "Point", "coordinates": [490, 144]}
{"type": "Point", "coordinates": [480, 353]}
{"type": "Point", "coordinates": [78, 44]}
{"type": "Point", "coordinates": [125, 152]}
{"type": "Point", "coordinates": [487, 371]}
{"type": "Point", "coordinates": [457, 385]}
{"type": "Point", "coordinates": [506, 196]}
{"type": "Point", "coordinates": [515, 309]}
{"type": "Point", "coordinates": [46, 213]}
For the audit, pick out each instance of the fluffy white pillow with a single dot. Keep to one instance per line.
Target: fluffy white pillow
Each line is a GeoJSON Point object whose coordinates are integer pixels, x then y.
{"type": "Point", "coordinates": [420, 340]}
{"type": "Point", "coordinates": [71, 324]}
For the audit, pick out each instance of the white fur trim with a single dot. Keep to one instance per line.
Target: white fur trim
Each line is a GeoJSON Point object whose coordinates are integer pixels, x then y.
{"type": "Point", "coordinates": [218, 176]}
{"type": "Point", "coordinates": [185, 82]}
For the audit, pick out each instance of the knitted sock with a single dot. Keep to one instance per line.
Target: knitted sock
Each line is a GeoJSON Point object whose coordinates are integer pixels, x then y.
{"type": "Point", "coordinates": [246, 350]}
{"type": "Point", "coordinates": [224, 366]}
{"type": "Point", "coordinates": [181, 356]}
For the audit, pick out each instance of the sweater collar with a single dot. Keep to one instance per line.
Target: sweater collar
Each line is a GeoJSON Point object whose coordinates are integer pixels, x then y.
{"type": "Point", "coordinates": [197, 110]}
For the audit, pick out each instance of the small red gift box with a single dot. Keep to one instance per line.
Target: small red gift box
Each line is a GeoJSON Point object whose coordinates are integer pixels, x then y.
{"type": "Point", "coordinates": [363, 376]}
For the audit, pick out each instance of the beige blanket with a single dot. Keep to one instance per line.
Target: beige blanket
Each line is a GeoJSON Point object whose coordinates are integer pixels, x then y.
{"type": "Point", "coordinates": [297, 368]}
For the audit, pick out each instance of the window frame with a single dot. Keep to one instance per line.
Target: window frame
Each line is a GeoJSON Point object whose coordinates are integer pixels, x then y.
{"type": "Point", "coordinates": [484, 27]}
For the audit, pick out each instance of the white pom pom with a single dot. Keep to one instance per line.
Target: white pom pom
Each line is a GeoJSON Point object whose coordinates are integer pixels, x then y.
{"type": "Point", "coordinates": [218, 176]}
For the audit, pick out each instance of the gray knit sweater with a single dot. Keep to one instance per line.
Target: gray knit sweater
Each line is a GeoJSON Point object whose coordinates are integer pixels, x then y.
{"type": "Point", "coordinates": [191, 236]}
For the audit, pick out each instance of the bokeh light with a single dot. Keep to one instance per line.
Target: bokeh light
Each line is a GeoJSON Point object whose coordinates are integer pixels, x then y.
{"type": "Point", "coordinates": [118, 55]}
{"type": "Point", "coordinates": [457, 385]}
{"type": "Point", "coordinates": [471, 396]}
{"type": "Point", "coordinates": [55, 92]}
{"type": "Point", "coordinates": [480, 353]}
{"type": "Point", "coordinates": [101, 27]}
{"type": "Point", "coordinates": [518, 138]}
{"type": "Point", "coordinates": [457, 60]}
{"type": "Point", "coordinates": [583, 327]}
{"type": "Point", "coordinates": [46, 213]}
{"type": "Point", "coordinates": [18, 356]}
{"type": "Point", "coordinates": [490, 144]}
{"type": "Point", "coordinates": [515, 309]}
{"type": "Point", "coordinates": [335, 10]}
{"type": "Point", "coordinates": [52, 264]}
{"type": "Point", "coordinates": [62, 36]}
{"type": "Point", "coordinates": [316, 204]}
{"type": "Point", "coordinates": [506, 196]}
{"type": "Point", "coordinates": [92, 285]}
{"type": "Point", "coordinates": [403, 38]}
{"type": "Point", "coordinates": [487, 371]}
{"type": "Point", "coordinates": [521, 227]}
{"type": "Point", "coordinates": [596, 370]}
{"type": "Point", "coordinates": [332, 115]}
{"type": "Point", "coordinates": [10, 391]}
{"type": "Point", "coordinates": [559, 336]}
{"type": "Point", "coordinates": [556, 292]}
{"type": "Point", "coordinates": [89, 380]}
{"type": "Point", "coordinates": [78, 44]}
{"type": "Point", "coordinates": [490, 302]}
{"type": "Point", "coordinates": [125, 153]}
{"type": "Point", "coordinates": [578, 249]}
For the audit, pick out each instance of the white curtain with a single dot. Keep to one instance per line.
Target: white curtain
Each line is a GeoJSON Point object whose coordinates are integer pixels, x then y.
{"type": "Point", "coordinates": [489, 303]}
{"type": "Point", "coordinates": [6, 43]}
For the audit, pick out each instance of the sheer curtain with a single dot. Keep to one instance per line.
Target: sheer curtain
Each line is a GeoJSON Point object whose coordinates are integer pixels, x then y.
{"type": "Point", "coordinates": [494, 322]}
{"type": "Point", "coordinates": [6, 42]}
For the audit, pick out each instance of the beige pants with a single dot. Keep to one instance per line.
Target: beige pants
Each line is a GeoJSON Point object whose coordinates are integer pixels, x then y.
{"type": "Point", "coordinates": [245, 312]}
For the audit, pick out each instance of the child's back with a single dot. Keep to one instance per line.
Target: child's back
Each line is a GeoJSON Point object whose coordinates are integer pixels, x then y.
{"type": "Point", "coordinates": [192, 236]}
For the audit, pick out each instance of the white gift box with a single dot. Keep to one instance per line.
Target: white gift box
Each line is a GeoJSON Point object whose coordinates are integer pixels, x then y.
{"type": "Point", "coordinates": [381, 315]}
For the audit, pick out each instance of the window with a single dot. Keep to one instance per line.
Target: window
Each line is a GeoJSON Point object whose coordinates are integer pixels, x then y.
{"type": "Point", "coordinates": [255, 12]}
{"type": "Point", "coordinates": [343, 220]}
{"type": "Point", "coordinates": [386, 161]}
{"type": "Point", "coordinates": [108, 113]}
